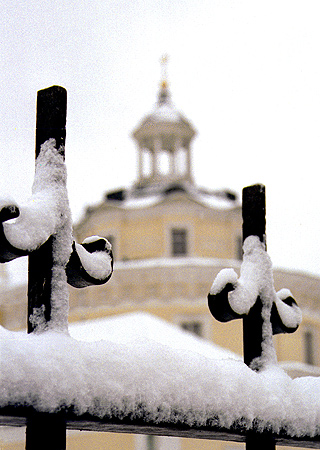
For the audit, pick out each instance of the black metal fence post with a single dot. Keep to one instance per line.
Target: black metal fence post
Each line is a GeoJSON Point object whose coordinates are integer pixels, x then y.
{"type": "Point", "coordinates": [254, 224]}
{"type": "Point", "coordinates": [51, 123]}
{"type": "Point", "coordinates": [45, 431]}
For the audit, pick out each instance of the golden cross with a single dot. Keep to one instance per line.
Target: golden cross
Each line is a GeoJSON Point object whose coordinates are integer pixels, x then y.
{"type": "Point", "coordinates": [164, 64]}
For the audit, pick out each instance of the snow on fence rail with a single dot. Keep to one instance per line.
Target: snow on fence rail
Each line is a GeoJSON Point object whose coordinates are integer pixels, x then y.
{"type": "Point", "coordinates": [118, 385]}
{"type": "Point", "coordinates": [50, 380]}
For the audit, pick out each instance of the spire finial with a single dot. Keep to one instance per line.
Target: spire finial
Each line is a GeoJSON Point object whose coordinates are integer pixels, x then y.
{"type": "Point", "coordinates": [164, 95]}
{"type": "Point", "coordinates": [164, 65]}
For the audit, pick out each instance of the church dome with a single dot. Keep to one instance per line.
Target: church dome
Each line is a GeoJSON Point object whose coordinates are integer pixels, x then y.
{"type": "Point", "coordinates": [164, 118]}
{"type": "Point", "coordinates": [163, 139]}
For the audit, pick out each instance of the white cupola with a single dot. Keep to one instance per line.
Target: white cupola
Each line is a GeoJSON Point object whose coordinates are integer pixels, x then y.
{"type": "Point", "coordinates": [164, 139]}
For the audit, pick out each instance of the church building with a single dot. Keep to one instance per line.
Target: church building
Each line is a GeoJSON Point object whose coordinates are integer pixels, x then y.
{"type": "Point", "coordinates": [168, 235]}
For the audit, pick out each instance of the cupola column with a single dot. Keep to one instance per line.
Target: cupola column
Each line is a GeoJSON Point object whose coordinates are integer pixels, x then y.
{"type": "Point", "coordinates": [140, 162]}
{"type": "Point", "coordinates": [156, 157]}
{"type": "Point", "coordinates": [172, 163]}
{"type": "Point", "coordinates": [177, 146]}
{"type": "Point", "coordinates": [188, 162]}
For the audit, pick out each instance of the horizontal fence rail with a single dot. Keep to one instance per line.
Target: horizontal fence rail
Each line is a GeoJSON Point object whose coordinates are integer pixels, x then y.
{"type": "Point", "coordinates": [17, 417]}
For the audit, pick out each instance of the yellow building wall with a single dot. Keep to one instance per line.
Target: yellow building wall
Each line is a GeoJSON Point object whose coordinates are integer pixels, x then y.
{"type": "Point", "coordinates": [289, 347]}
{"type": "Point", "coordinates": [141, 238]}
{"type": "Point", "coordinates": [145, 233]}
{"type": "Point", "coordinates": [85, 440]}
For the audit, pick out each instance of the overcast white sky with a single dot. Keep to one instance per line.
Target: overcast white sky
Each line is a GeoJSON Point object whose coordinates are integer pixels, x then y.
{"type": "Point", "coordinates": [246, 73]}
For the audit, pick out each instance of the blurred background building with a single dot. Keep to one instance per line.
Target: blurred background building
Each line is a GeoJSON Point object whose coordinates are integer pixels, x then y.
{"type": "Point", "coordinates": [170, 238]}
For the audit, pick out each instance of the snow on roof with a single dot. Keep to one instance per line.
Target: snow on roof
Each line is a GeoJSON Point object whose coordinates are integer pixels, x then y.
{"type": "Point", "coordinates": [299, 369]}
{"type": "Point", "coordinates": [141, 202]}
{"type": "Point", "coordinates": [126, 328]}
{"type": "Point", "coordinates": [165, 112]}
{"type": "Point", "coordinates": [215, 200]}
{"type": "Point", "coordinates": [137, 371]}
{"type": "Point", "coordinates": [185, 261]}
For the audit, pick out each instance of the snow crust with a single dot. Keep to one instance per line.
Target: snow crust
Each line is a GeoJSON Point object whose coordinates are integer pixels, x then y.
{"type": "Point", "coordinates": [97, 264]}
{"type": "Point", "coordinates": [141, 375]}
{"type": "Point", "coordinates": [46, 214]}
{"type": "Point", "coordinates": [47, 210]}
{"type": "Point", "coordinates": [224, 277]}
{"type": "Point", "coordinates": [291, 316]}
{"type": "Point", "coordinates": [256, 280]}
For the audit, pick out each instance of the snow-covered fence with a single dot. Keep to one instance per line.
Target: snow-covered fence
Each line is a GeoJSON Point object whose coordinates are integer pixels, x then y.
{"type": "Point", "coordinates": [42, 229]}
{"type": "Point", "coordinates": [51, 381]}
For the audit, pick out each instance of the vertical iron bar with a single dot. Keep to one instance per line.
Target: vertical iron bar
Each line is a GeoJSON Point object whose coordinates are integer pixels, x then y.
{"type": "Point", "coordinates": [264, 442]}
{"type": "Point", "coordinates": [254, 212]}
{"type": "Point", "coordinates": [39, 283]}
{"type": "Point", "coordinates": [45, 430]}
{"type": "Point", "coordinates": [51, 123]}
{"type": "Point", "coordinates": [51, 116]}
{"type": "Point", "coordinates": [254, 224]}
